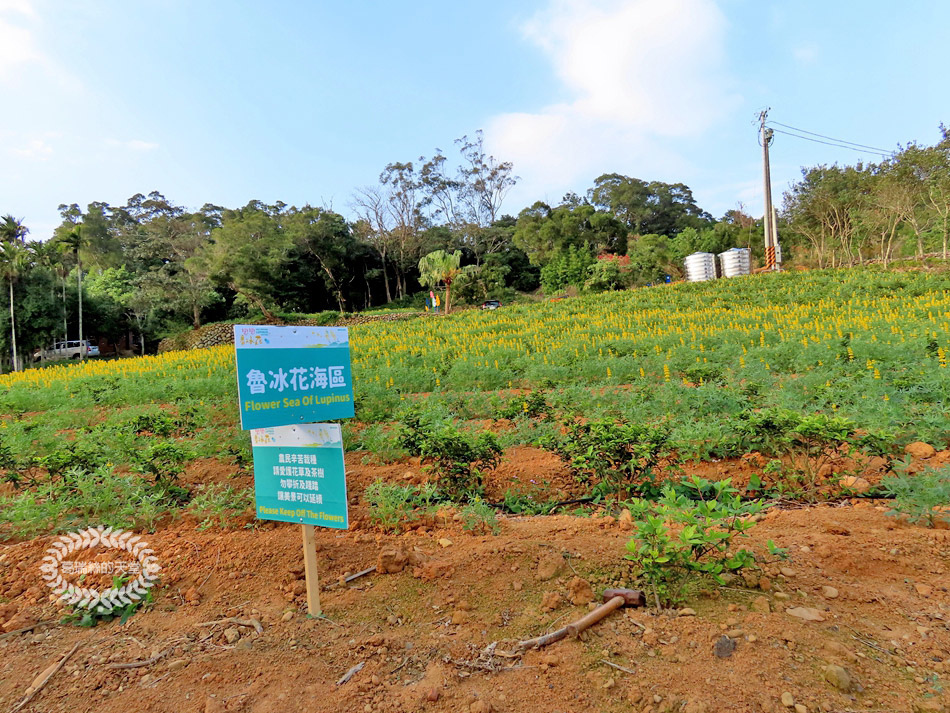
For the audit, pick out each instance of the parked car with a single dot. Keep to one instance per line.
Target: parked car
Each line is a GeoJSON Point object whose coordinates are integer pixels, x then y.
{"type": "Point", "coordinates": [67, 350]}
{"type": "Point", "coordinates": [490, 304]}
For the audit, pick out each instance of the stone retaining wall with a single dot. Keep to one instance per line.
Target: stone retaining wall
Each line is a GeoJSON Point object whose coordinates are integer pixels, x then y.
{"type": "Point", "coordinates": [213, 335]}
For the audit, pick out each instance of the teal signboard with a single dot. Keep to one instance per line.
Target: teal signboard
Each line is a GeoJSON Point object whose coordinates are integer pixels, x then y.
{"type": "Point", "coordinates": [299, 474]}
{"type": "Point", "coordinates": [292, 374]}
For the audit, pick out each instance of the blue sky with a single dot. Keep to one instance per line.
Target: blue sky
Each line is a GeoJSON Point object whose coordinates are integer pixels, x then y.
{"type": "Point", "coordinates": [224, 102]}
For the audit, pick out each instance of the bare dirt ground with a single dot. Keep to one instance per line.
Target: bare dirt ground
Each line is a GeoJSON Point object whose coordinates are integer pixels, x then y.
{"type": "Point", "coordinates": [875, 587]}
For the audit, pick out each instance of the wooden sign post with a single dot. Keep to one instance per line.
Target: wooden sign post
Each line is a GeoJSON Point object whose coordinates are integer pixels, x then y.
{"type": "Point", "coordinates": [285, 383]}
{"type": "Point", "coordinates": [310, 570]}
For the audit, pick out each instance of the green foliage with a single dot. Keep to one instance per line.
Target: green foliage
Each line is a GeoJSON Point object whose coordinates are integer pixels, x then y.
{"type": "Point", "coordinates": [392, 505]}
{"type": "Point", "coordinates": [921, 498]}
{"type": "Point", "coordinates": [97, 497]}
{"type": "Point", "coordinates": [617, 455]}
{"type": "Point", "coordinates": [534, 404]}
{"type": "Point", "coordinates": [455, 456]}
{"type": "Point", "coordinates": [479, 516]}
{"type": "Point", "coordinates": [86, 617]}
{"type": "Point", "coordinates": [679, 541]}
{"type": "Point", "coordinates": [569, 268]}
{"type": "Point", "coordinates": [164, 461]}
{"type": "Point", "coordinates": [217, 505]}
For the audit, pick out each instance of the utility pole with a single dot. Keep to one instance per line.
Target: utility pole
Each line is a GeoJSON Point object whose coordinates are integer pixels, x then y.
{"type": "Point", "coordinates": [773, 260]}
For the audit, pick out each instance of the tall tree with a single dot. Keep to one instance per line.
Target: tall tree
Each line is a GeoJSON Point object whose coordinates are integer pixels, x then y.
{"type": "Point", "coordinates": [14, 259]}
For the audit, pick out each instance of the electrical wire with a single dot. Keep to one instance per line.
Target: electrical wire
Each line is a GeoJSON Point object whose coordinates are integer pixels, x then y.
{"type": "Point", "coordinates": [828, 143]}
{"type": "Point", "coordinates": [830, 138]}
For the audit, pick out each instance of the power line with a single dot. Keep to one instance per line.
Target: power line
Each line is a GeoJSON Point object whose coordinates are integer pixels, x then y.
{"type": "Point", "coordinates": [828, 143]}
{"type": "Point", "coordinates": [830, 138]}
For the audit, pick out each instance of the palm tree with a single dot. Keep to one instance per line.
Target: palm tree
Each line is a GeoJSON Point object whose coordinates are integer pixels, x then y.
{"type": "Point", "coordinates": [440, 266]}
{"type": "Point", "coordinates": [73, 240]}
{"type": "Point", "coordinates": [14, 257]}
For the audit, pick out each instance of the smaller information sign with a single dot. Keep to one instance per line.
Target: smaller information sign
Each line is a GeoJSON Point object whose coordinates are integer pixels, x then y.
{"type": "Point", "coordinates": [299, 474]}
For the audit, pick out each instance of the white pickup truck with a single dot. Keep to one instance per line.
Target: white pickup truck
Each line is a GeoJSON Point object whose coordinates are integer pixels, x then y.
{"type": "Point", "coordinates": [66, 350]}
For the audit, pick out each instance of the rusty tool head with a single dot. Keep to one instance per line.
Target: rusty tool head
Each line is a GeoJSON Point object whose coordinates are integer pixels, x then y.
{"type": "Point", "coordinates": [631, 597]}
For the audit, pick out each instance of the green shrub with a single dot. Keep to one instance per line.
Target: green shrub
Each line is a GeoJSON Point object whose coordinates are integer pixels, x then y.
{"type": "Point", "coordinates": [917, 497]}
{"type": "Point", "coordinates": [458, 458]}
{"type": "Point", "coordinates": [619, 455]}
{"type": "Point", "coordinates": [702, 544]}
{"type": "Point", "coordinates": [479, 516]}
{"type": "Point", "coordinates": [391, 505]}
{"type": "Point", "coordinates": [164, 462]}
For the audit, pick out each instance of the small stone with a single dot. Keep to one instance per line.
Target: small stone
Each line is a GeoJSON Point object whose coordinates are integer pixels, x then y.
{"type": "Point", "coordinates": [391, 560]}
{"type": "Point", "coordinates": [765, 584]}
{"type": "Point", "coordinates": [924, 590]}
{"type": "Point", "coordinates": [724, 647]}
{"type": "Point", "coordinates": [609, 683]}
{"type": "Point", "coordinates": [858, 485]}
{"type": "Point", "coordinates": [433, 695]}
{"type": "Point", "coordinates": [735, 633]}
{"type": "Point", "coordinates": [287, 616]}
{"type": "Point", "coordinates": [801, 708]}
{"type": "Point", "coordinates": [838, 677]}
{"type": "Point", "coordinates": [788, 700]}
{"type": "Point", "coordinates": [445, 542]}
{"type": "Point", "coordinates": [580, 591]}
{"type": "Point", "coordinates": [177, 664]}
{"type": "Point", "coordinates": [550, 660]}
{"type": "Point", "coordinates": [231, 635]}
{"type": "Point", "coordinates": [788, 572]}
{"type": "Point", "coordinates": [686, 611]}
{"type": "Point", "coordinates": [481, 706]}
{"type": "Point", "coordinates": [783, 596]}
{"type": "Point", "coordinates": [805, 613]}
{"type": "Point", "coordinates": [919, 449]}
{"type": "Point", "coordinates": [550, 601]}
{"type": "Point", "coordinates": [829, 592]}
{"type": "Point", "coordinates": [517, 586]}
{"type": "Point", "coordinates": [761, 605]}
{"type": "Point", "coordinates": [459, 616]}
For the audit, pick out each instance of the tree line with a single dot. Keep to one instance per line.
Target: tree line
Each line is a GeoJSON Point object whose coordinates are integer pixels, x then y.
{"type": "Point", "coordinates": [151, 268]}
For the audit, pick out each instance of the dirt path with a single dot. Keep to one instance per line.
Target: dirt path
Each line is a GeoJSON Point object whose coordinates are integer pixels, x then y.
{"type": "Point", "coordinates": [419, 631]}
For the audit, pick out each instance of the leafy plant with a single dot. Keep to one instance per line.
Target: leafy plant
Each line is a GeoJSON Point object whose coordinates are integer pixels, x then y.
{"type": "Point", "coordinates": [458, 458]}
{"type": "Point", "coordinates": [391, 505]}
{"type": "Point", "coordinates": [164, 461]}
{"type": "Point", "coordinates": [88, 618]}
{"type": "Point", "coordinates": [679, 540]}
{"type": "Point", "coordinates": [99, 497]}
{"type": "Point", "coordinates": [921, 498]}
{"type": "Point", "coordinates": [219, 504]}
{"type": "Point", "coordinates": [619, 455]}
{"type": "Point", "coordinates": [534, 404]}
{"type": "Point", "coordinates": [479, 516]}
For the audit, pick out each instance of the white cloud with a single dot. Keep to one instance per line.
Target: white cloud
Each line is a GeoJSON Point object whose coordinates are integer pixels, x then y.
{"type": "Point", "coordinates": [636, 75]}
{"type": "Point", "coordinates": [35, 149]}
{"type": "Point", "coordinates": [806, 53]}
{"type": "Point", "coordinates": [16, 46]}
{"type": "Point", "coordinates": [132, 145]}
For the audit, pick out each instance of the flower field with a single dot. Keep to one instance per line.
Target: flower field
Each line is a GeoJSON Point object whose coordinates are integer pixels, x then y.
{"type": "Point", "coordinates": [857, 359]}
{"type": "Point", "coordinates": [869, 345]}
